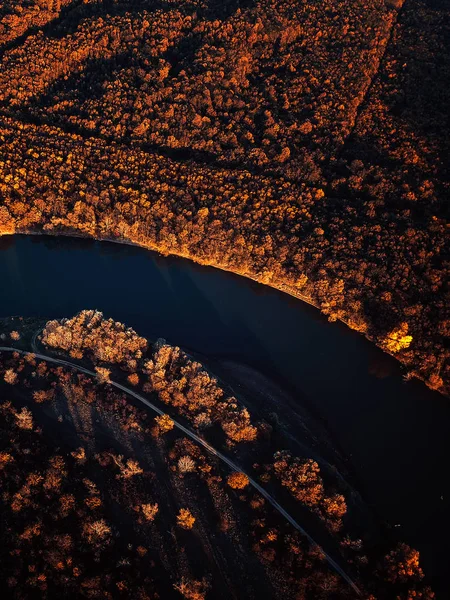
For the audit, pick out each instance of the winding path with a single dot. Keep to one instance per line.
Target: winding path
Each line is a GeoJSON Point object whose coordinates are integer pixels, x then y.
{"type": "Point", "coordinates": [233, 466]}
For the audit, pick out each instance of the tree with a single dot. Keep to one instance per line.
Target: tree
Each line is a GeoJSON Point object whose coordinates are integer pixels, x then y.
{"type": "Point", "coordinates": [79, 454]}
{"type": "Point", "coordinates": [7, 223]}
{"type": "Point", "coordinates": [192, 589]}
{"type": "Point", "coordinates": [97, 532]}
{"type": "Point", "coordinates": [164, 424]}
{"type": "Point", "coordinates": [103, 374]}
{"type": "Point", "coordinates": [5, 458]}
{"type": "Point", "coordinates": [133, 378]}
{"type": "Point", "coordinates": [40, 396]}
{"type": "Point", "coordinates": [398, 339]}
{"type": "Point", "coordinates": [238, 481]}
{"type": "Point", "coordinates": [186, 464]}
{"type": "Point", "coordinates": [103, 339]}
{"type": "Point", "coordinates": [185, 519]}
{"type": "Point", "coordinates": [402, 564]}
{"type": "Point", "coordinates": [24, 419]}
{"type": "Point", "coordinates": [10, 377]}
{"type": "Point", "coordinates": [128, 470]}
{"type": "Point", "coordinates": [300, 476]}
{"type": "Point", "coordinates": [149, 511]}
{"type": "Point", "coordinates": [239, 428]}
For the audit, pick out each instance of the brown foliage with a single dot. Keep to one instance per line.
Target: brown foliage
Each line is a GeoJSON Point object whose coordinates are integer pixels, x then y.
{"type": "Point", "coordinates": [301, 477]}
{"type": "Point", "coordinates": [184, 384]}
{"type": "Point", "coordinates": [133, 378]}
{"type": "Point", "coordinates": [97, 532]}
{"type": "Point", "coordinates": [185, 519]}
{"type": "Point", "coordinates": [163, 424]}
{"type": "Point", "coordinates": [24, 419]}
{"type": "Point", "coordinates": [402, 564]}
{"type": "Point", "coordinates": [10, 377]}
{"type": "Point", "coordinates": [103, 339]}
{"type": "Point", "coordinates": [149, 511]}
{"type": "Point", "coordinates": [255, 226]}
{"type": "Point", "coordinates": [192, 589]}
{"type": "Point", "coordinates": [238, 481]}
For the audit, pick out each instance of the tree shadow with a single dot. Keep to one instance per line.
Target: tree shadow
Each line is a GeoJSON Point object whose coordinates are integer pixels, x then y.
{"type": "Point", "coordinates": [182, 55]}
{"type": "Point", "coordinates": [80, 86]}
{"type": "Point", "coordinates": [69, 20]}
{"type": "Point", "coordinates": [223, 9]}
{"type": "Point", "coordinates": [18, 41]}
{"type": "Point", "coordinates": [416, 93]}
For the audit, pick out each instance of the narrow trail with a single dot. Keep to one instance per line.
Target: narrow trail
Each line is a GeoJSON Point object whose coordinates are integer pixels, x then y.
{"type": "Point", "coordinates": [233, 466]}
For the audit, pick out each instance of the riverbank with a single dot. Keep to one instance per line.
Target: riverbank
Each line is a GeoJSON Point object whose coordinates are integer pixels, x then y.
{"type": "Point", "coordinates": [290, 290]}
{"type": "Point", "coordinates": [380, 271]}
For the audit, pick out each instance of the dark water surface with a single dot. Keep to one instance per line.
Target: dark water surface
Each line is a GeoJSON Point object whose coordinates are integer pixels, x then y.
{"type": "Point", "coordinates": [395, 434]}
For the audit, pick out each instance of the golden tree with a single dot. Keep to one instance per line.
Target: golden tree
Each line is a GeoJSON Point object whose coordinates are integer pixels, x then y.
{"type": "Point", "coordinates": [164, 424]}
{"type": "Point", "coordinates": [96, 531]}
{"type": "Point", "coordinates": [127, 470]}
{"type": "Point", "coordinates": [133, 378]}
{"type": "Point", "coordinates": [192, 589]}
{"type": "Point", "coordinates": [10, 377]}
{"type": "Point", "coordinates": [300, 476]}
{"type": "Point", "coordinates": [103, 374]}
{"type": "Point", "coordinates": [24, 419]}
{"type": "Point", "coordinates": [402, 564]}
{"type": "Point", "coordinates": [149, 511]}
{"type": "Point", "coordinates": [186, 464]}
{"type": "Point", "coordinates": [238, 481]}
{"type": "Point", "coordinates": [398, 339]}
{"type": "Point", "coordinates": [185, 519]}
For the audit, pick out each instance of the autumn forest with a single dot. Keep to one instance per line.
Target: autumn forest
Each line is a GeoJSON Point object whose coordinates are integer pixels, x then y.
{"type": "Point", "coordinates": [132, 503]}
{"type": "Point", "coordinates": [301, 145]}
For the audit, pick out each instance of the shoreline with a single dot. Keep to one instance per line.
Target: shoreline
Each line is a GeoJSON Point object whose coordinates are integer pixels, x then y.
{"type": "Point", "coordinates": [286, 289]}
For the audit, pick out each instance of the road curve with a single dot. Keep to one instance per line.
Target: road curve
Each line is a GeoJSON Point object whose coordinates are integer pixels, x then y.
{"type": "Point", "coordinates": [233, 466]}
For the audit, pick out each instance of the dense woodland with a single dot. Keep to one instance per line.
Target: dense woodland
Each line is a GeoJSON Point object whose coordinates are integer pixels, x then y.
{"type": "Point", "coordinates": [304, 146]}
{"type": "Point", "coordinates": [272, 84]}
{"type": "Point", "coordinates": [178, 380]}
{"type": "Point", "coordinates": [101, 499]}
{"type": "Point", "coordinates": [18, 18]}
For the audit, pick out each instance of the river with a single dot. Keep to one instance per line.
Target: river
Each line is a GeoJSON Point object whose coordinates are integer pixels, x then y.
{"type": "Point", "coordinates": [393, 434]}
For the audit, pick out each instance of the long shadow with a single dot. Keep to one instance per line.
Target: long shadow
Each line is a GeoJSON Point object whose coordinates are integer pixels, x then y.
{"type": "Point", "coordinates": [18, 41]}
{"type": "Point", "coordinates": [88, 83]}
{"type": "Point", "coordinates": [81, 85]}
{"type": "Point", "coordinates": [105, 435]}
{"type": "Point", "coordinates": [72, 15]}
{"type": "Point", "coordinates": [186, 154]}
{"type": "Point", "coordinates": [69, 20]}
{"type": "Point", "coordinates": [182, 55]}
{"type": "Point", "coordinates": [223, 9]}
{"type": "Point", "coordinates": [421, 96]}
{"type": "Point", "coordinates": [98, 71]}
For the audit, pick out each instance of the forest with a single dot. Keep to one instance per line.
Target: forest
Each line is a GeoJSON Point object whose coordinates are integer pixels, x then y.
{"type": "Point", "coordinates": [304, 147]}
{"type": "Point", "coordinates": [103, 499]}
